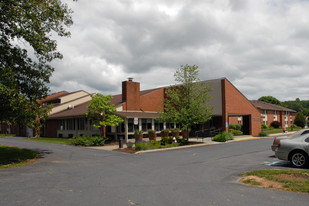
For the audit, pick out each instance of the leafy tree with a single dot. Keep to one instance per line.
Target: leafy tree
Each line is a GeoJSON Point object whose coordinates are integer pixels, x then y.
{"type": "Point", "coordinates": [26, 49]}
{"type": "Point", "coordinates": [270, 99]}
{"type": "Point", "coordinates": [102, 112]}
{"type": "Point", "coordinates": [187, 103]}
{"type": "Point", "coordinates": [306, 111]}
{"type": "Point", "coordinates": [298, 105]}
{"type": "Point", "coordinates": [300, 119]}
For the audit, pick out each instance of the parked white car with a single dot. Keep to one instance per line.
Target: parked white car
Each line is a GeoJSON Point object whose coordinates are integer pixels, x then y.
{"type": "Point", "coordinates": [295, 150]}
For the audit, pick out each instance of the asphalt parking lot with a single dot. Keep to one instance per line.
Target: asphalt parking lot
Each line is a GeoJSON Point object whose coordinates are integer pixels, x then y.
{"type": "Point", "coordinates": [68, 175]}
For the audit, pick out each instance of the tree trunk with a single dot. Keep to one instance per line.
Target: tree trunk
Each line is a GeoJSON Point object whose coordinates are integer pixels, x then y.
{"type": "Point", "coordinates": [104, 131]}
{"type": "Point", "coordinates": [37, 127]}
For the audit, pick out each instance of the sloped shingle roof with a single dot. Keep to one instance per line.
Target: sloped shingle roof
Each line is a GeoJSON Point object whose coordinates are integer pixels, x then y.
{"type": "Point", "coordinates": [269, 106]}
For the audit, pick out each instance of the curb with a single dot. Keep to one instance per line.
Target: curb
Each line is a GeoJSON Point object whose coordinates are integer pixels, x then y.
{"type": "Point", "coordinates": [180, 147]}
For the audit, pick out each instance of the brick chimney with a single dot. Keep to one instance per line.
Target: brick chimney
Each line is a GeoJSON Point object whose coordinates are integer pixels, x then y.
{"type": "Point", "coordinates": [131, 95]}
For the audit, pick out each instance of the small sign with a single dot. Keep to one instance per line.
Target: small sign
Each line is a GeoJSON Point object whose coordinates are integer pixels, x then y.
{"type": "Point", "coordinates": [226, 124]}
{"type": "Point", "coordinates": [135, 121]}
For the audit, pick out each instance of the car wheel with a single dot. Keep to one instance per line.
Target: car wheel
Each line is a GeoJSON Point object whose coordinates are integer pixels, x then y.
{"type": "Point", "coordinates": [299, 159]}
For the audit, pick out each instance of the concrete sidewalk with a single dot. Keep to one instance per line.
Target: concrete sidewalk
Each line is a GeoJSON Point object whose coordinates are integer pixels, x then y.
{"type": "Point", "coordinates": [203, 142]}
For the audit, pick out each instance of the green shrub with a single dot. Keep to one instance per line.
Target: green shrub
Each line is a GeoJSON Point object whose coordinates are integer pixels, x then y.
{"type": "Point", "coordinates": [228, 136]}
{"type": "Point", "coordinates": [155, 143]}
{"type": "Point", "coordinates": [275, 124]}
{"type": "Point", "coordinates": [264, 126]}
{"type": "Point", "coordinates": [151, 131]}
{"type": "Point", "coordinates": [166, 140]}
{"type": "Point", "coordinates": [236, 132]}
{"type": "Point", "coordinates": [89, 141]}
{"type": "Point", "coordinates": [219, 138]}
{"type": "Point", "coordinates": [223, 137]}
{"type": "Point", "coordinates": [235, 126]}
{"type": "Point", "coordinates": [138, 146]}
{"type": "Point", "coordinates": [263, 134]}
{"type": "Point", "coordinates": [165, 131]}
{"type": "Point", "coordinates": [138, 132]}
{"type": "Point", "coordinates": [143, 145]}
{"type": "Point", "coordinates": [181, 141]}
{"type": "Point", "coordinates": [175, 130]}
{"type": "Point", "coordinates": [129, 144]}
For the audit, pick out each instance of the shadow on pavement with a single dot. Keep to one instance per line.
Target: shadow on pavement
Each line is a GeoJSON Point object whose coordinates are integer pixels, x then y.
{"type": "Point", "coordinates": [42, 152]}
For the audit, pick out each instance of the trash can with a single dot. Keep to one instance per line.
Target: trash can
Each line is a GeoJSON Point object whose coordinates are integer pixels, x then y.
{"type": "Point", "coordinates": [120, 142]}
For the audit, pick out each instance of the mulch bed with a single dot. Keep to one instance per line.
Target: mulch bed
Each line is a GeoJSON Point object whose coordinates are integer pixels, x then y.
{"type": "Point", "coordinates": [126, 150]}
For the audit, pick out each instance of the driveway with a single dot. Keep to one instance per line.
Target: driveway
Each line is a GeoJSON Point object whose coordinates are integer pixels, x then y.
{"type": "Point", "coordinates": [68, 175]}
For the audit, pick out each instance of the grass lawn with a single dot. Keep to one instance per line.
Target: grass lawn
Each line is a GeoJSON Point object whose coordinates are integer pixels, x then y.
{"type": "Point", "coordinates": [279, 130]}
{"type": "Point", "coordinates": [50, 140]}
{"type": "Point", "coordinates": [13, 156]}
{"type": "Point", "coordinates": [289, 180]}
{"type": "Point", "coordinates": [7, 135]}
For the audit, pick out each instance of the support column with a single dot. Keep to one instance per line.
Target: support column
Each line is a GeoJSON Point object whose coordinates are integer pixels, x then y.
{"type": "Point", "coordinates": [139, 124]}
{"type": "Point", "coordinates": [126, 136]}
{"type": "Point", "coordinates": [152, 124]}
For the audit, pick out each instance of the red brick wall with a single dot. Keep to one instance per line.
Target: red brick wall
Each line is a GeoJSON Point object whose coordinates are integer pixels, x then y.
{"type": "Point", "coordinates": [233, 120]}
{"type": "Point", "coordinates": [131, 94]}
{"type": "Point", "coordinates": [237, 103]}
{"type": "Point", "coordinates": [153, 101]}
{"type": "Point", "coordinates": [280, 117]}
{"type": "Point", "coordinates": [51, 128]}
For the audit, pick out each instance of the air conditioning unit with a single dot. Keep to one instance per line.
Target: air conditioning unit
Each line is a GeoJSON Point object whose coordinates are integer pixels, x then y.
{"type": "Point", "coordinates": [71, 107]}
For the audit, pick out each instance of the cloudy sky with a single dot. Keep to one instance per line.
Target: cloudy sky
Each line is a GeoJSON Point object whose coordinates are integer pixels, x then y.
{"type": "Point", "coordinates": [261, 46]}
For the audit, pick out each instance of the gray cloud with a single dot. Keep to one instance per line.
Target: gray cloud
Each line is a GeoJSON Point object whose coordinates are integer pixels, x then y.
{"type": "Point", "coordinates": [260, 46]}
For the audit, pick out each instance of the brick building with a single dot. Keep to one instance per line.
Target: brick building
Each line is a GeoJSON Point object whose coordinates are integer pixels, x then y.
{"type": "Point", "coordinates": [271, 112]}
{"type": "Point", "coordinates": [140, 111]}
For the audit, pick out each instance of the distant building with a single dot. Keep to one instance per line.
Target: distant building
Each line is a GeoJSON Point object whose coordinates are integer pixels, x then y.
{"type": "Point", "coordinates": [272, 112]}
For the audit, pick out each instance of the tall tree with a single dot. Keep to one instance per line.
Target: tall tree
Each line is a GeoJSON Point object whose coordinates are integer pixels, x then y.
{"type": "Point", "coordinates": [26, 49]}
{"type": "Point", "coordinates": [102, 112]}
{"type": "Point", "coordinates": [270, 99]}
{"type": "Point", "coordinates": [187, 103]}
{"type": "Point", "coordinates": [300, 119]}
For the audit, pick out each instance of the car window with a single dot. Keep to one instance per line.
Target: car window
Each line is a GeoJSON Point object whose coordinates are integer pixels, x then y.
{"type": "Point", "coordinates": [305, 132]}
{"type": "Point", "coordinates": [299, 133]}
{"type": "Point", "coordinates": [307, 140]}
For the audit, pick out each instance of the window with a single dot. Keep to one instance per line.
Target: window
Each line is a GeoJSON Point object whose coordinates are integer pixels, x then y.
{"type": "Point", "coordinates": [169, 125]}
{"type": "Point", "coordinates": [120, 127]}
{"type": "Point", "coordinates": [146, 124]}
{"type": "Point", "coordinates": [81, 124]}
{"type": "Point", "coordinates": [158, 125]}
{"type": "Point", "coordinates": [130, 125]}
{"type": "Point", "coordinates": [71, 124]}
{"type": "Point", "coordinates": [61, 124]}
{"type": "Point", "coordinates": [239, 119]}
{"type": "Point", "coordinates": [91, 127]}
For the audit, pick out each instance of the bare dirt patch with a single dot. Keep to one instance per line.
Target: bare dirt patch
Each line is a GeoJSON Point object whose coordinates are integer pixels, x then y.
{"type": "Point", "coordinates": [263, 182]}
{"type": "Point", "coordinates": [272, 184]}
{"type": "Point", "coordinates": [299, 177]}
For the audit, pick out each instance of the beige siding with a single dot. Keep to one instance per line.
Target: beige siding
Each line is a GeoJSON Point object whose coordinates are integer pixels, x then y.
{"type": "Point", "coordinates": [73, 96]}
{"type": "Point", "coordinates": [65, 106]}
